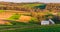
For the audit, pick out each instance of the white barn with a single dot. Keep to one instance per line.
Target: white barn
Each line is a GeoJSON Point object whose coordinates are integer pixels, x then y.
{"type": "Point", "coordinates": [47, 22]}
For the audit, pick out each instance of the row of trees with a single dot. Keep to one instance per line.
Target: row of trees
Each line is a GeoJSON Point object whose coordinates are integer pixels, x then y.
{"type": "Point", "coordinates": [53, 6]}
{"type": "Point", "coordinates": [18, 8]}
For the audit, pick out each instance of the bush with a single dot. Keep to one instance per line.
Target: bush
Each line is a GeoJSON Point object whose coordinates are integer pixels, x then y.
{"type": "Point", "coordinates": [41, 6]}
{"type": "Point", "coordinates": [49, 16]}
{"type": "Point", "coordinates": [56, 19]}
{"type": "Point", "coordinates": [17, 23]}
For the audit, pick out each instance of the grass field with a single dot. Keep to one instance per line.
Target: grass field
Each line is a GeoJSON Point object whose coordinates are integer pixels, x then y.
{"type": "Point", "coordinates": [31, 5]}
{"type": "Point", "coordinates": [2, 11]}
{"type": "Point", "coordinates": [25, 27]}
{"type": "Point", "coordinates": [14, 17]}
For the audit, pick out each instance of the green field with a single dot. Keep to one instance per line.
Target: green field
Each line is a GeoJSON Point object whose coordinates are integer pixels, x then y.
{"type": "Point", "coordinates": [26, 27]}
{"type": "Point", "coordinates": [14, 17]}
{"type": "Point", "coordinates": [2, 11]}
{"type": "Point", "coordinates": [31, 5]}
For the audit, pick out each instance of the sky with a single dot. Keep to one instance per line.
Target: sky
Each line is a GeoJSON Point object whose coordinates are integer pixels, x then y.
{"type": "Point", "coordinates": [45, 1]}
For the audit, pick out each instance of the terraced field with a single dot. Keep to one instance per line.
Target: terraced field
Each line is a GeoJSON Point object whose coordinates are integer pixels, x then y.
{"type": "Point", "coordinates": [4, 14]}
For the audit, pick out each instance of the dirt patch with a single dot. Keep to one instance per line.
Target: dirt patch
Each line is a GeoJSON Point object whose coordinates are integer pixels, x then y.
{"type": "Point", "coordinates": [3, 22]}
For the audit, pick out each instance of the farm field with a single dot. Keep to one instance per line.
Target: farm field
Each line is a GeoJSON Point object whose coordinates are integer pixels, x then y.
{"type": "Point", "coordinates": [30, 28]}
{"type": "Point", "coordinates": [27, 17]}
{"type": "Point", "coordinates": [24, 27]}
{"type": "Point", "coordinates": [6, 14]}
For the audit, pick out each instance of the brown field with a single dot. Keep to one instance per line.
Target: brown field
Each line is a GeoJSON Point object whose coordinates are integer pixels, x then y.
{"type": "Point", "coordinates": [5, 15]}
{"type": "Point", "coordinates": [9, 13]}
{"type": "Point", "coordinates": [25, 18]}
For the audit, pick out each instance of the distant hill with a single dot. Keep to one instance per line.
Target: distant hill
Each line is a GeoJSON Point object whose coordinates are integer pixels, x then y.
{"type": "Point", "coordinates": [19, 6]}
{"type": "Point", "coordinates": [53, 6]}
{"type": "Point", "coordinates": [29, 6]}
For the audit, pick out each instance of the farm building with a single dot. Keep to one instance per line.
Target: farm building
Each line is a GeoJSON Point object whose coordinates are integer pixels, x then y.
{"type": "Point", "coordinates": [47, 22]}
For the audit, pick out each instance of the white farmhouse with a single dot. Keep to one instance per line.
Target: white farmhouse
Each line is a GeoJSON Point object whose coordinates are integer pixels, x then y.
{"type": "Point", "coordinates": [47, 22]}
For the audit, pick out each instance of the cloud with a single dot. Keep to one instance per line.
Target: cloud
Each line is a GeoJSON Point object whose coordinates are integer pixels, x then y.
{"type": "Point", "coordinates": [45, 1]}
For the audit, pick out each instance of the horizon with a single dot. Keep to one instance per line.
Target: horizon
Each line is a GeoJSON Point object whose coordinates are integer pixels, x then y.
{"type": "Point", "coordinates": [43, 1]}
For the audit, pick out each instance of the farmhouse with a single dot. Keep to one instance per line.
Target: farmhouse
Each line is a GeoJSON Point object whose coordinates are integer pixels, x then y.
{"type": "Point", "coordinates": [47, 22]}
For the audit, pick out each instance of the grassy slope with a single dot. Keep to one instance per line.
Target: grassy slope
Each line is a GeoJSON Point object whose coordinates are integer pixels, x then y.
{"type": "Point", "coordinates": [31, 28]}
{"type": "Point", "coordinates": [26, 27]}
{"type": "Point", "coordinates": [14, 17]}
